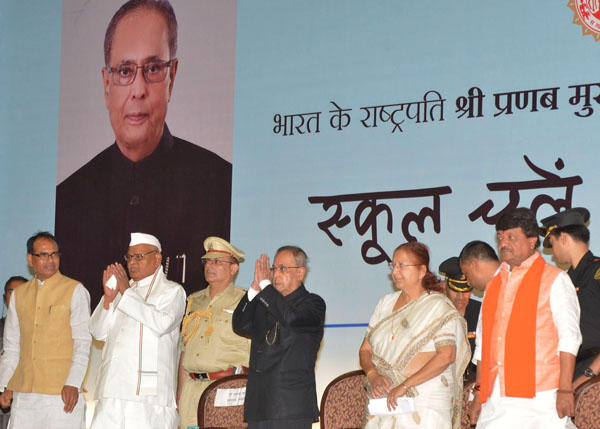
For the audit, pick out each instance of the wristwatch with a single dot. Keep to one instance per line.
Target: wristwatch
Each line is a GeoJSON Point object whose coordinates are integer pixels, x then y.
{"type": "Point", "coordinates": [589, 373]}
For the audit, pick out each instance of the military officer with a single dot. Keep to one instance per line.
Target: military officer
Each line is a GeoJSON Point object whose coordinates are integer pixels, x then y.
{"type": "Point", "coordinates": [211, 350]}
{"type": "Point", "coordinates": [568, 237]}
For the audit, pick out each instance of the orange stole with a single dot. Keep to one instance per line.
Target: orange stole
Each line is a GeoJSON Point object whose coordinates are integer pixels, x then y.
{"type": "Point", "coordinates": [520, 338]}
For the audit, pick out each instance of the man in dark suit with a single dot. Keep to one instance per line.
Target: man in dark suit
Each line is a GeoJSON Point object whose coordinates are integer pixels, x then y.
{"type": "Point", "coordinates": [148, 180]}
{"type": "Point", "coordinates": [285, 323]}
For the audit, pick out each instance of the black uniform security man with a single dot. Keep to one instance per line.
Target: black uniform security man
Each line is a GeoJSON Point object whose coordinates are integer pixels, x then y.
{"type": "Point", "coordinates": [568, 237]}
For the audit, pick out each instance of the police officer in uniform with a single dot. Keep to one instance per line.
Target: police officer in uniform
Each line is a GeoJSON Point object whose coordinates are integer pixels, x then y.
{"type": "Point", "coordinates": [568, 237]}
{"type": "Point", "coordinates": [459, 292]}
{"type": "Point", "coordinates": [211, 350]}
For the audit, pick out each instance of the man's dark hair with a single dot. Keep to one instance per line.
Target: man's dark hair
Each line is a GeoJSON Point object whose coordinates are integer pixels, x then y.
{"type": "Point", "coordinates": [41, 234]}
{"type": "Point", "coordinates": [523, 218]}
{"type": "Point", "coordinates": [578, 233]}
{"type": "Point", "coordinates": [12, 279]}
{"type": "Point", "coordinates": [299, 255]}
{"type": "Point", "coordinates": [161, 6]}
{"type": "Point", "coordinates": [477, 250]}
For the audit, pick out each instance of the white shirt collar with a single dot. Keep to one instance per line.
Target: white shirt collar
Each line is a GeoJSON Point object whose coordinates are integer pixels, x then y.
{"type": "Point", "coordinates": [145, 282]}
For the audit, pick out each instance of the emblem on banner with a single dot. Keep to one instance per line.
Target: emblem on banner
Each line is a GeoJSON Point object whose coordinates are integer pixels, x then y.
{"type": "Point", "coordinates": [587, 15]}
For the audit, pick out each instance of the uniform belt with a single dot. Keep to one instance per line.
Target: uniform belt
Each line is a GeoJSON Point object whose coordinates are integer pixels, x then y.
{"type": "Point", "coordinates": [218, 374]}
{"type": "Point", "coordinates": [587, 353]}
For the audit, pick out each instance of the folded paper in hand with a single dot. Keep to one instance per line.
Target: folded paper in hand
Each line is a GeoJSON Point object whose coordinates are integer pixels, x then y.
{"type": "Point", "coordinates": [378, 406]}
{"type": "Point", "coordinates": [111, 283]}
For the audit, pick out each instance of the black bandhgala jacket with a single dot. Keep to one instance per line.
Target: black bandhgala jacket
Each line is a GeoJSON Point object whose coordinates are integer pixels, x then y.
{"type": "Point", "coordinates": [286, 333]}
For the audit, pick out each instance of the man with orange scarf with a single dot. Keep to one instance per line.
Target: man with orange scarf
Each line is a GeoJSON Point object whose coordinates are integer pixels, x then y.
{"type": "Point", "coordinates": [530, 326]}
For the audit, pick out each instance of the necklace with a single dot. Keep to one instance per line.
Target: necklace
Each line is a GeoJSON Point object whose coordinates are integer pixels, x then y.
{"type": "Point", "coordinates": [404, 322]}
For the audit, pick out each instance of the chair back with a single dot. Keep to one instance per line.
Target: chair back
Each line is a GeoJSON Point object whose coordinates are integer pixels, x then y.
{"type": "Point", "coordinates": [587, 404]}
{"type": "Point", "coordinates": [211, 417]}
{"type": "Point", "coordinates": [343, 402]}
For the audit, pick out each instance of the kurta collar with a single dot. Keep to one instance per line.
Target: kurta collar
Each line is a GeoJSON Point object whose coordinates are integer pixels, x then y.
{"type": "Point", "coordinates": [146, 280]}
{"type": "Point", "coordinates": [52, 279]}
{"type": "Point", "coordinates": [525, 265]}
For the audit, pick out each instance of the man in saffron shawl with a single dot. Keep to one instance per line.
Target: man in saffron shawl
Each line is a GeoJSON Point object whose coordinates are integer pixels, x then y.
{"type": "Point", "coordinates": [530, 334]}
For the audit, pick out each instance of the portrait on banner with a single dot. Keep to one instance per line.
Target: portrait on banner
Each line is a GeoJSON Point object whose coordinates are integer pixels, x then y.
{"type": "Point", "coordinates": [181, 188]}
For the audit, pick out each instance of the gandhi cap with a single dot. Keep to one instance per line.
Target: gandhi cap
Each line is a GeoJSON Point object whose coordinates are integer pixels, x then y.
{"type": "Point", "coordinates": [574, 216]}
{"type": "Point", "coordinates": [455, 279]}
{"type": "Point", "coordinates": [141, 238]}
{"type": "Point", "coordinates": [217, 248]}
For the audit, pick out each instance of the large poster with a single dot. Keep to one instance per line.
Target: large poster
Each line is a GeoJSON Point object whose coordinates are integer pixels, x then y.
{"type": "Point", "coordinates": [180, 190]}
{"type": "Point", "coordinates": [388, 122]}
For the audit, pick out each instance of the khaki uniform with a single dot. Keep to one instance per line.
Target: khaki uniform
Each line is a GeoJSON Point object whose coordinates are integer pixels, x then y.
{"type": "Point", "coordinates": [210, 345]}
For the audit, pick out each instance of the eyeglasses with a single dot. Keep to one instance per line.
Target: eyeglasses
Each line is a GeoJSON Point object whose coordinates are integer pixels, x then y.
{"type": "Point", "coordinates": [217, 262]}
{"type": "Point", "coordinates": [281, 269]}
{"type": "Point", "coordinates": [154, 72]}
{"type": "Point", "coordinates": [138, 256]}
{"type": "Point", "coordinates": [400, 265]}
{"type": "Point", "coordinates": [45, 256]}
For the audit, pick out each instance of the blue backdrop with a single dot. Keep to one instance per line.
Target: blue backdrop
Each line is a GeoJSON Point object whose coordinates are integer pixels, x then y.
{"type": "Point", "coordinates": [380, 59]}
{"type": "Point", "coordinates": [29, 89]}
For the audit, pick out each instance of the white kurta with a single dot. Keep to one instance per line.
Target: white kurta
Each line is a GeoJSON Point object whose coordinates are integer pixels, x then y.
{"type": "Point", "coordinates": [37, 410]}
{"type": "Point", "coordinates": [532, 413]}
{"type": "Point", "coordinates": [139, 359]}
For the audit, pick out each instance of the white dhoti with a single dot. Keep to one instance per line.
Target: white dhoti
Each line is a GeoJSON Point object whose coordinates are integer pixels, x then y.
{"type": "Point", "coordinates": [39, 411]}
{"type": "Point", "coordinates": [501, 412]}
{"type": "Point", "coordinates": [113, 413]}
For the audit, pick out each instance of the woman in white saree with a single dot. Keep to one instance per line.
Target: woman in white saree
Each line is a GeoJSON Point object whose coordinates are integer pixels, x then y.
{"type": "Point", "coordinates": [416, 346]}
